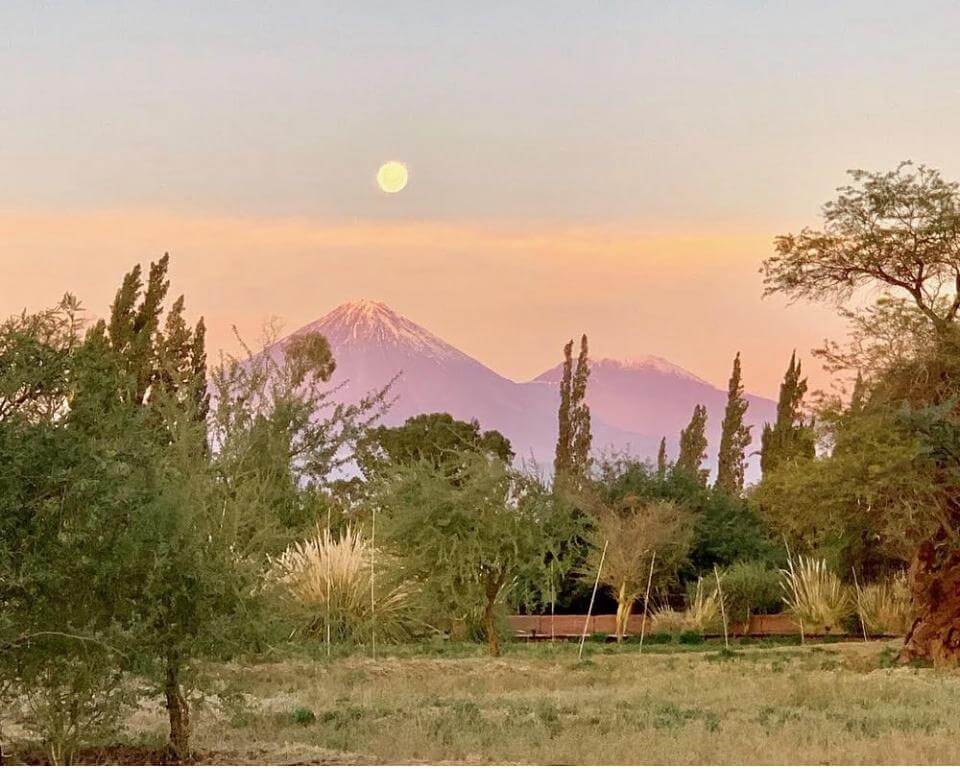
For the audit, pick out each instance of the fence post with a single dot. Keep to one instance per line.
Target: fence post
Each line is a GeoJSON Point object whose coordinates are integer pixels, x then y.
{"type": "Point", "coordinates": [646, 601]}
{"type": "Point", "coordinates": [593, 596]}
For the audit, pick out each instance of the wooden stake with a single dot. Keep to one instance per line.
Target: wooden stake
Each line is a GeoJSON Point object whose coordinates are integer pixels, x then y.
{"type": "Point", "coordinates": [646, 601]}
{"type": "Point", "coordinates": [856, 584]}
{"type": "Point", "coordinates": [723, 611]}
{"type": "Point", "coordinates": [593, 597]}
{"type": "Point", "coordinates": [327, 618]}
{"type": "Point", "coordinates": [373, 601]}
{"type": "Point", "coordinates": [553, 605]}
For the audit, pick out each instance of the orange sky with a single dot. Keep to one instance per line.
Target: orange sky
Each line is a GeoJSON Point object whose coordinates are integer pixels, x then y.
{"type": "Point", "coordinates": [509, 294]}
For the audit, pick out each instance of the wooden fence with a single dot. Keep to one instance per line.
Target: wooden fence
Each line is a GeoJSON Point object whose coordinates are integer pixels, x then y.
{"type": "Point", "coordinates": [571, 625]}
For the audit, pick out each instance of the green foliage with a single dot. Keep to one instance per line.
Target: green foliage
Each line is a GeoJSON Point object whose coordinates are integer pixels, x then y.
{"type": "Point", "coordinates": [789, 437]}
{"type": "Point", "coordinates": [690, 638]}
{"type": "Point", "coordinates": [572, 461]}
{"type": "Point", "coordinates": [277, 436]}
{"type": "Point", "coordinates": [631, 536]}
{"type": "Point", "coordinates": [735, 436]}
{"type": "Point", "coordinates": [434, 438]}
{"type": "Point", "coordinates": [727, 529]}
{"type": "Point", "coordinates": [750, 587]}
{"type": "Point", "coordinates": [866, 504]}
{"type": "Point", "coordinates": [303, 716]}
{"type": "Point", "coordinates": [471, 532]}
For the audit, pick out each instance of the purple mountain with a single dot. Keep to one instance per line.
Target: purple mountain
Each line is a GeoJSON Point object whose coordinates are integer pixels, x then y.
{"type": "Point", "coordinates": [633, 403]}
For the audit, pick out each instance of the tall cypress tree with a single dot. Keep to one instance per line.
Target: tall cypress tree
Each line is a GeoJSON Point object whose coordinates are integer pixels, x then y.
{"type": "Point", "coordinates": [735, 436]}
{"type": "Point", "coordinates": [662, 458]}
{"type": "Point", "coordinates": [789, 436]}
{"type": "Point", "coordinates": [693, 446]}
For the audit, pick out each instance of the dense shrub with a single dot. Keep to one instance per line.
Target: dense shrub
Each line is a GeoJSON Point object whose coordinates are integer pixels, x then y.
{"type": "Point", "coordinates": [691, 637]}
{"type": "Point", "coordinates": [751, 587]}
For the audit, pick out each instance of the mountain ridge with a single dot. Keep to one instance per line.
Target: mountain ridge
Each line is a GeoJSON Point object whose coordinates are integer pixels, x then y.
{"type": "Point", "coordinates": [634, 401]}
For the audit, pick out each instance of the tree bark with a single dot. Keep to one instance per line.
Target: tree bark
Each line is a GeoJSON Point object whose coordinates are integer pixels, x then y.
{"type": "Point", "coordinates": [178, 709]}
{"type": "Point", "coordinates": [935, 588]}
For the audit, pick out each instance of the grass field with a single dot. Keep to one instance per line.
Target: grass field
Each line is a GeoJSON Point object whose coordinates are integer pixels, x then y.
{"type": "Point", "coordinates": [834, 703]}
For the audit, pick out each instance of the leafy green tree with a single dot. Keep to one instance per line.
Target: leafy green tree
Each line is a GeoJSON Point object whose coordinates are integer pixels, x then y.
{"type": "Point", "coordinates": [279, 439]}
{"type": "Point", "coordinates": [897, 233]}
{"type": "Point", "coordinates": [735, 436]}
{"type": "Point", "coordinates": [789, 436]}
{"type": "Point", "coordinates": [726, 529]}
{"type": "Point", "coordinates": [435, 438]}
{"type": "Point", "coordinates": [470, 532]}
{"type": "Point", "coordinates": [693, 446]}
{"type": "Point", "coordinates": [93, 585]}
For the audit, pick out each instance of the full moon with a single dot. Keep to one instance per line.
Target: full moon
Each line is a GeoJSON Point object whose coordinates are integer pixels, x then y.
{"type": "Point", "coordinates": [392, 176]}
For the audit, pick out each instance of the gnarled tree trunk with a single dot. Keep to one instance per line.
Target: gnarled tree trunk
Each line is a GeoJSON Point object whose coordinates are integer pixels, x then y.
{"type": "Point", "coordinates": [492, 585]}
{"type": "Point", "coordinates": [178, 709]}
{"type": "Point", "coordinates": [935, 587]}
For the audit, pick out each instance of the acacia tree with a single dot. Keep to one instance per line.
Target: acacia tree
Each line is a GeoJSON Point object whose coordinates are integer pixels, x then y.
{"type": "Point", "coordinates": [630, 530]}
{"type": "Point", "coordinates": [279, 435]}
{"type": "Point", "coordinates": [899, 233]}
{"type": "Point", "coordinates": [471, 532]}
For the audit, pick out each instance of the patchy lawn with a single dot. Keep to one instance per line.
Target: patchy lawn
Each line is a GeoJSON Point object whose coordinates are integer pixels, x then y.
{"type": "Point", "coordinates": [827, 703]}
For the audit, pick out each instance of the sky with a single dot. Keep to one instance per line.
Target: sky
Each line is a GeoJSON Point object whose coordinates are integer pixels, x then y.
{"type": "Point", "coordinates": [615, 168]}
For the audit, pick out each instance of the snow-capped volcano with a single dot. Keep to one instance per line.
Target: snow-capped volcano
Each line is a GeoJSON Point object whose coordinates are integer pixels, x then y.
{"type": "Point", "coordinates": [633, 402]}
{"type": "Point", "coordinates": [373, 323]}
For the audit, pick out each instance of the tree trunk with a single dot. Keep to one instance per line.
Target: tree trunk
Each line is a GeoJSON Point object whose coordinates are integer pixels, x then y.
{"type": "Point", "coordinates": [935, 588]}
{"type": "Point", "coordinates": [624, 609]}
{"type": "Point", "coordinates": [490, 628]}
{"type": "Point", "coordinates": [492, 587]}
{"type": "Point", "coordinates": [178, 709]}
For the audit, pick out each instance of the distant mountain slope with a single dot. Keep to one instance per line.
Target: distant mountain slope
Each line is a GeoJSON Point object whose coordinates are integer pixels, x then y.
{"type": "Point", "coordinates": [655, 396]}
{"type": "Point", "coordinates": [633, 403]}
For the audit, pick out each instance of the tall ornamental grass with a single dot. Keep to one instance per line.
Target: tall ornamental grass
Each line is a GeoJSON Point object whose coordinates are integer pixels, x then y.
{"type": "Point", "coordinates": [814, 595]}
{"type": "Point", "coordinates": [325, 583]}
{"type": "Point", "coordinates": [885, 608]}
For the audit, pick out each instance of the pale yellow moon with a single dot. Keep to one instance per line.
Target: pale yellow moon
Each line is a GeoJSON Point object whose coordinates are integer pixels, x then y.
{"type": "Point", "coordinates": [392, 176]}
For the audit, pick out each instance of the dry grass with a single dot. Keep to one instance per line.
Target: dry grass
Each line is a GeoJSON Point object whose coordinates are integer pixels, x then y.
{"type": "Point", "coordinates": [885, 606]}
{"type": "Point", "coordinates": [835, 703]}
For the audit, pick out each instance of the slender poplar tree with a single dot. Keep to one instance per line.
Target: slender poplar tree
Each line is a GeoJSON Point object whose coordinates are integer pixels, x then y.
{"type": "Point", "coordinates": [563, 457]}
{"type": "Point", "coordinates": [662, 458]}
{"type": "Point", "coordinates": [581, 437]}
{"type": "Point", "coordinates": [572, 459]}
{"type": "Point", "coordinates": [693, 446]}
{"type": "Point", "coordinates": [735, 436]}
